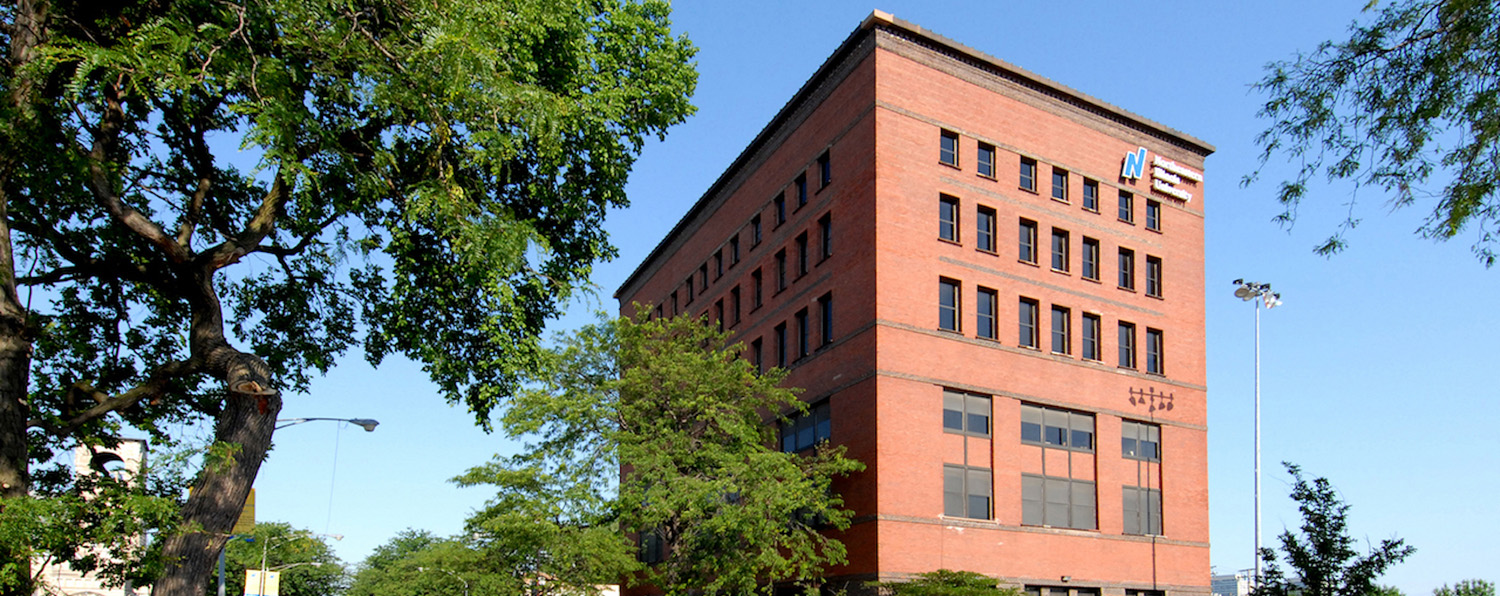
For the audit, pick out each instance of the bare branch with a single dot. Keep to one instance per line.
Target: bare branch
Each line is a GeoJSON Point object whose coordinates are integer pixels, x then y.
{"type": "Point", "coordinates": [154, 388]}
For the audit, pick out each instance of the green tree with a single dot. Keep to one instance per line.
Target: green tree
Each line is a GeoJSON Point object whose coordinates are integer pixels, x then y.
{"type": "Point", "coordinates": [203, 203]}
{"type": "Point", "coordinates": [672, 401]}
{"type": "Point", "coordinates": [1468, 587]}
{"type": "Point", "coordinates": [417, 563]}
{"type": "Point", "coordinates": [1409, 100]}
{"type": "Point", "coordinates": [946, 582]}
{"type": "Point", "coordinates": [309, 566]}
{"type": "Point", "coordinates": [1321, 559]}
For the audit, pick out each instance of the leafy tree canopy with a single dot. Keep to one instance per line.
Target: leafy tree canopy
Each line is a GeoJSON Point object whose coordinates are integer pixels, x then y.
{"type": "Point", "coordinates": [1409, 102]}
{"type": "Point", "coordinates": [309, 567]}
{"type": "Point", "coordinates": [946, 582]}
{"type": "Point", "coordinates": [719, 508]}
{"type": "Point", "coordinates": [1321, 560]}
{"type": "Point", "coordinates": [1468, 587]}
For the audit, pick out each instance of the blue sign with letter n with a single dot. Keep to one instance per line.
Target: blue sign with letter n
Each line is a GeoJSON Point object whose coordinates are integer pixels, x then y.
{"type": "Point", "coordinates": [1135, 164]}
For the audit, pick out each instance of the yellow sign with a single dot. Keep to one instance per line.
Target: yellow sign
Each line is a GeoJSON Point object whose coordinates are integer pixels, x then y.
{"type": "Point", "coordinates": [246, 523]}
{"type": "Point", "coordinates": [262, 584]}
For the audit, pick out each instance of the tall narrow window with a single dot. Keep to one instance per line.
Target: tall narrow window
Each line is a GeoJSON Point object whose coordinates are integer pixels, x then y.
{"type": "Point", "coordinates": [1090, 194]}
{"type": "Point", "coordinates": [756, 355]}
{"type": "Point", "coordinates": [801, 184]}
{"type": "Point", "coordinates": [1127, 207]}
{"type": "Point", "coordinates": [1127, 345]}
{"type": "Point", "coordinates": [1154, 363]}
{"type": "Point", "coordinates": [689, 286]}
{"type": "Point", "coordinates": [948, 148]}
{"type": "Point", "coordinates": [984, 313]}
{"type": "Point", "coordinates": [966, 492]}
{"type": "Point", "coordinates": [1090, 337]}
{"type": "Point", "coordinates": [825, 234]}
{"type": "Point", "coordinates": [1028, 174]}
{"type": "Point", "coordinates": [801, 254]}
{"type": "Point", "coordinates": [1026, 241]}
{"type": "Point", "coordinates": [987, 160]}
{"type": "Point", "coordinates": [825, 318]}
{"type": "Point", "coordinates": [734, 305]}
{"type": "Point", "coordinates": [674, 304]}
{"type": "Point", "coordinates": [804, 335]}
{"type": "Point", "coordinates": [1059, 250]}
{"type": "Point", "coordinates": [948, 218]}
{"type": "Point", "coordinates": [757, 287]}
{"type": "Point", "coordinates": [703, 277]}
{"type": "Point", "coordinates": [948, 304]}
{"type": "Point", "coordinates": [780, 333]}
{"type": "Point", "coordinates": [719, 314]}
{"type": "Point", "coordinates": [1062, 320]}
{"type": "Point", "coordinates": [1153, 276]}
{"type": "Point", "coordinates": [1090, 258]}
{"type": "Point", "coordinates": [780, 202]}
{"type": "Point", "coordinates": [1027, 317]}
{"type": "Point", "coordinates": [1153, 215]}
{"type": "Point", "coordinates": [1059, 184]}
{"type": "Point", "coordinates": [825, 171]}
{"type": "Point", "coordinates": [985, 229]}
{"type": "Point", "coordinates": [718, 264]}
{"type": "Point", "coordinates": [734, 250]}
{"type": "Point", "coordinates": [1127, 269]}
{"type": "Point", "coordinates": [755, 231]}
{"type": "Point", "coordinates": [781, 270]}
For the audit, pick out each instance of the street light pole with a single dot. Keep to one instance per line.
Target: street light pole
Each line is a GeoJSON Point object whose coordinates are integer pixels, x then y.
{"type": "Point", "coordinates": [365, 423]}
{"type": "Point", "coordinates": [1258, 293]}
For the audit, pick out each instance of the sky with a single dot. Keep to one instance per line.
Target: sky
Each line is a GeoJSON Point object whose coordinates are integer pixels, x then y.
{"type": "Point", "coordinates": [1375, 371]}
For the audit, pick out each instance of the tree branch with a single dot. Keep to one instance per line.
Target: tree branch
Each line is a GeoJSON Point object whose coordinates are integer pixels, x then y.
{"type": "Point", "coordinates": [249, 239]}
{"type": "Point", "coordinates": [154, 388]}
{"type": "Point", "coordinates": [100, 185]}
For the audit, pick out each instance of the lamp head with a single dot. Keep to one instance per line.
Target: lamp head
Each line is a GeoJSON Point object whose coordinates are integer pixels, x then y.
{"type": "Point", "coordinates": [365, 423]}
{"type": "Point", "coordinates": [1244, 293]}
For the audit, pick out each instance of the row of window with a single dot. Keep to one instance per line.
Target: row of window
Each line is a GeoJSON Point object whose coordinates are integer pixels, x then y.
{"type": "Point", "coordinates": [969, 414]}
{"type": "Point", "coordinates": [783, 269]}
{"type": "Point", "coordinates": [1049, 501]}
{"type": "Point", "coordinates": [802, 326]}
{"type": "Point", "coordinates": [1028, 249]}
{"type": "Point", "coordinates": [1029, 327]}
{"type": "Point", "coordinates": [1027, 180]}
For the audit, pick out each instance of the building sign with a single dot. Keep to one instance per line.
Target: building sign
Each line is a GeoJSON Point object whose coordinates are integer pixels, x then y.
{"type": "Point", "coordinates": [262, 583]}
{"type": "Point", "coordinates": [1166, 174]}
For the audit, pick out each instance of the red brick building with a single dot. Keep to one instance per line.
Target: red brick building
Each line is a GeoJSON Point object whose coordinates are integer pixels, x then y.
{"type": "Point", "coordinates": [991, 287]}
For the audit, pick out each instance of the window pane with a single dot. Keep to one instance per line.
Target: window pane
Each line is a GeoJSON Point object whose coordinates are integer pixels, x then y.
{"type": "Point", "coordinates": [953, 491]}
{"type": "Point", "coordinates": [1031, 501]}
{"type": "Point", "coordinates": [953, 411]}
{"type": "Point", "coordinates": [1056, 490]}
{"type": "Point", "coordinates": [978, 413]}
{"type": "Point", "coordinates": [1056, 431]}
{"type": "Point", "coordinates": [1083, 505]}
{"type": "Point", "coordinates": [1131, 506]}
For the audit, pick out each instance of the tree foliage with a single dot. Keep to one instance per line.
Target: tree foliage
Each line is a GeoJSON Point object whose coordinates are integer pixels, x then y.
{"type": "Point", "coordinates": [946, 582]}
{"type": "Point", "coordinates": [204, 203]}
{"type": "Point", "coordinates": [1410, 101]}
{"type": "Point", "coordinates": [311, 568]}
{"type": "Point", "coordinates": [1468, 587]}
{"type": "Point", "coordinates": [672, 402]}
{"type": "Point", "coordinates": [1321, 560]}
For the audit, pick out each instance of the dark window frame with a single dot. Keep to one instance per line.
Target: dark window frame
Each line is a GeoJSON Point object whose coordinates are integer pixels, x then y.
{"type": "Point", "coordinates": [1156, 362]}
{"type": "Point", "coordinates": [1061, 240]}
{"type": "Point", "coordinates": [950, 303]}
{"type": "Point", "coordinates": [1028, 323]}
{"type": "Point", "coordinates": [1062, 330]}
{"type": "Point", "coordinates": [1127, 207]}
{"type": "Point", "coordinates": [1059, 428]}
{"type": "Point", "coordinates": [986, 223]}
{"type": "Point", "coordinates": [948, 219]}
{"type": "Point", "coordinates": [1027, 175]}
{"type": "Point", "coordinates": [948, 150]}
{"type": "Point", "coordinates": [985, 160]}
{"type": "Point", "coordinates": [1090, 337]}
{"type": "Point", "coordinates": [1126, 264]}
{"type": "Point", "coordinates": [825, 170]}
{"type": "Point", "coordinates": [986, 324]}
{"type": "Point", "coordinates": [1089, 260]}
{"type": "Point", "coordinates": [1091, 195]}
{"type": "Point", "coordinates": [1026, 237]}
{"type": "Point", "coordinates": [1153, 215]}
{"type": "Point", "coordinates": [965, 413]}
{"type": "Point", "coordinates": [1059, 184]}
{"type": "Point", "coordinates": [1126, 345]}
{"type": "Point", "coordinates": [974, 483]}
{"type": "Point", "coordinates": [1153, 276]}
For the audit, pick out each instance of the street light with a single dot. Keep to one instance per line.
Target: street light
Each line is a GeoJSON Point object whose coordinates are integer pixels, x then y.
{"type": "Point", "coordinates": [266, 546]}
{"type": "Point", "coordinates": [1260, 294]}
{"type": "Point", "coordinates": [460, 577]}
{"type": "Point", "coordinates": [365, 423]}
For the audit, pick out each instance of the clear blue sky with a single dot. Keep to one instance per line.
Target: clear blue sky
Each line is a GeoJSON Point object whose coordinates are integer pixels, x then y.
{"type": "Point", "coordinates": [1375, 371]}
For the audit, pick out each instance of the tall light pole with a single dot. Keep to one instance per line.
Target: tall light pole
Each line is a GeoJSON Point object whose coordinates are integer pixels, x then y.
{"type": "Point", "coordinates": [365, 423]}
{"type": "Point", "coordinates": [1258, 293]}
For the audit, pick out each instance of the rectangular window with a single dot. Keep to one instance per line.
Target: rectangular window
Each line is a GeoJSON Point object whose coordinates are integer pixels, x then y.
{"type": "Point", "coordinates": [1090, 194]}
{"type": "Point", "coordinates": [1127, 345]}
{"type": "Point", "coordinates": [653, 549]}
{"type": "Point", "coordinates": [1153, 276]}
{"type": "Point", "coordinates": [1059, 184]}
{"type": "Point", "coordinates": [755, 231]}
{"type": "Point", "coordinates": [966, 413]}
{"type": "Point", "coordinates": [948, 304]}
{"type": "Point", "coordinates": [658, 311]}
{"type": "Point", "coordinates": [780, 209]}
{"type": "Point", "coordinates": [1062, 321]}
{"type": "Point", "coordinates": [781, 270]}
{"type": "Point", "coordinates": [804, 335]}
{"type": "Point", "coordinates": [1026, 335]}
{"type": "Point", "coordinates": [1028, 174]}
{"type": "Point", "coordinates": [734, 305]}
{"type": "Point", "coordinates": [1153, 215]}
{"type": "Point", "coordinates": [1026, 241]}
{"type": "Point", "coordinates": [985, 229]}
{"type": "Point", "coordinates": [734, 250]}
{"type": "Point", "coordinates": [948, 148]}
{"type": "Point", "coordinates": [825, 318]}
{"type": "Point", "coordinates": [703, 277]}
{"type": "Point", "coordinates": [825, 171]}
{"type": "Point", "coordinates": [689, 286]}
{"type": "Point", "coordinates": [1051, 427]}
{"type": "Point", "coordinates": [987, 160]}
{"type": "Point", "coordinates": [1057, 502]}
{"type": "Point", "coordinates": [1127, 207]}
{"type": "Point", "coordinates": [1090, 330]}
{"type": "Point", "coordinates": [1059, 250]}
{"type": "Point", "coordinates": [825, 234]}
{"type": "Point", "coordinates": [966, 492]}
{"type": "Point", "coordinates": [984, 310]}
{"type": "Point", "coordinates": [948, 218]}
{"type": "Point", "coordinates": [1139, 440]}
{"type": "Point", "coordinates": [801, 184]}
{"type": "Point", "coordinates": [756, 355]}
{"type": "Point", "coordinates": [1154, 358]}
{"type": "Point", "coordinates": [718, 264]}
{"type": "Point", "coordinates": [780, 332]}
{"type": "Point", "coordinates": [719, 314]}
{"type": "Point", "coordinates": [1142, 511]}
{"type": "Point", "coordinates": [674, 304]}
{"type": "Point", "coordinates": [1090, 258]}
{"type": "Point", "coordinates": [806, 430]}
{"type": "Point", "coordinates": [1127, 269]}
{"type": "Point", "coordinates": [757, 285]}
{"type": "Point", "coordinates": [801, 254]}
